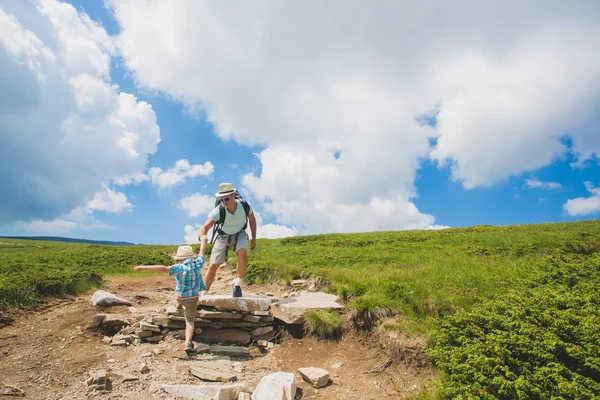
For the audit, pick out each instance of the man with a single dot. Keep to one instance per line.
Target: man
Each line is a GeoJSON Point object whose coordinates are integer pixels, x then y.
{"type": "Point", "coordinates": [232, 233]}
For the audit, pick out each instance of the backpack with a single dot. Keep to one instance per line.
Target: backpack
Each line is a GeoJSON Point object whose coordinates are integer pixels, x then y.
{"type": "Point", "coordinates": [222, 212]}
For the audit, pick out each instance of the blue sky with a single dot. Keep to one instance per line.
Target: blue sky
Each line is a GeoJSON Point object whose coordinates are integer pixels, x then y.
{"type": "Point", "coordinates": [321, 128]}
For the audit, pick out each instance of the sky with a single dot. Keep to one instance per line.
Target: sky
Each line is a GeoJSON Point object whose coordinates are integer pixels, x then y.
{"type": "Point", "coordinates": [120, 118]}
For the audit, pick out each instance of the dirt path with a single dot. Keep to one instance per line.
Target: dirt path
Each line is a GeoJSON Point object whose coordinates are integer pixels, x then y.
{"type": "Point", "coordinates": [49, 354]}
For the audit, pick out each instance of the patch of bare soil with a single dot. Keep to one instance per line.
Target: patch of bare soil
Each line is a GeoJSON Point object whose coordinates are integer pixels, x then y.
{"type": "Point", "coordinates": [50, 353]}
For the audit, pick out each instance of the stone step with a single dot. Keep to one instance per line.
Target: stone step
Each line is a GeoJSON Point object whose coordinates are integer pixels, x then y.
{"type": "Point", "coordinates": [244, 303]}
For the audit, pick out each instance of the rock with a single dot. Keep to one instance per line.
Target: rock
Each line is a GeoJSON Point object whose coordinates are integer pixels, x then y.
{"type": "Point", "coordinates": [337, 365]}
{"type": "Point", "coordinates": [157, 352]}
{"type": "Point", "coordinates": [119, 342]}
{"type": "Point", "coordinates": [146, 355]}
{"type": "Point", "coordinates": [146, 326]}
{"type": "Point", "coordinates": [317, 377]}
{"type": "Point", "coordinates": [98, 378]}
{"type": "Point", "coordinates": [269, 294]}
{"type": "Point", "coordinates": [212, 375]}
{"type": "Point", "coordinates": [111, 324]}
{"type": "Point", "coordinates": [244, 396]}
{"type": "Point", "coordinates": [299, 283]}
{"type": "Point", "coordinates": [237, 367]}
{"type": "Point", "coordinates": [268, 318]}
{"type": "Point", "coordinates": [153, 339]}
{"type": "Point", "coordinates": [96, 322]}
{"type": "Point", "coordinates": [276, 386]}
{"type": "Point", "coordinates": [252, 318]}
{"type": "Point", "coordinates": [202, 348]}
{"type": "Point", "coordinates": [227, 336]}
{"type": "Point", "coordinates": [261, 313]}
{"type": "Point", "coordinates": [262, 343]}
{"type": "Point", "coordinates": [107, 339]}
{"type": "Point", "coordinates": [177, 334]}
{"type": "Point", "coordinates": [123, 376]}
{"type": "Point", "coordinates": [233, 351]}
{"type": "Point", "coordinates": [262, 330]}
{"type": "Point", "coordinates": [220, 392]}
{"type": "Point", "coordinates": [102, 298]}
{"type": "Point", "coordinates": [292, 310]}
{"type": "Point", "coordinates": [143, 334]}
{"type": "Point", "coordinates": [144, 369]}
{"type": "Point", "coordinates": [244, 303]}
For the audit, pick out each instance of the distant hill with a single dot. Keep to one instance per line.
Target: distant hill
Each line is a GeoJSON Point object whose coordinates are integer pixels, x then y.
{"type": "Point", "coordinates": [69, 240]}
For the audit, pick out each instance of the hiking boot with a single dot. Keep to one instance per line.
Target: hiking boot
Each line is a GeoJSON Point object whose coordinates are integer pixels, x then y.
{"type": "Point", "coordinates": [237, 291]}
{"type": "Point", "coordinates": [189, 349]}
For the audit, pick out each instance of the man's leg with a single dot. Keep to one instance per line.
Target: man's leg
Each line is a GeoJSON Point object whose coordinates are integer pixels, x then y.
{"type": "Point", "coordinates": [218, 256]}
{"type": "Point", "coordinates": [209, 277]}
{"type": "Point", "coordinates": [242, 263]}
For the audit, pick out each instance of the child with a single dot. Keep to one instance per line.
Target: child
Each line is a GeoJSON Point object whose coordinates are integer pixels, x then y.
{"type": "Point", "coordinates": [188, 275]}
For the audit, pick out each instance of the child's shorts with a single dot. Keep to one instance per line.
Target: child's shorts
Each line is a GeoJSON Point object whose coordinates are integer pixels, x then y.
{"type": "Point", "coordinates": [189, 306]}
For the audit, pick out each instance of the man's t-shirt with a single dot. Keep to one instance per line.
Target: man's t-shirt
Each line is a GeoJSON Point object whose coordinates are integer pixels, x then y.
{"type": "Point", "coordinates": [233, 222]}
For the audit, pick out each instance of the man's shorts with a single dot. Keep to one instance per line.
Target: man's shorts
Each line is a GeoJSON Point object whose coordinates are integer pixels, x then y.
{"type": "Point", "coordinates": [189, 306]}
{"type": "Point", "coordinates": [218, 254]}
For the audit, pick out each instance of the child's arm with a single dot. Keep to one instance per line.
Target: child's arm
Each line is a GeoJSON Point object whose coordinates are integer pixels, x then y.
{"type": "Point", "coordinates": [156, 268]}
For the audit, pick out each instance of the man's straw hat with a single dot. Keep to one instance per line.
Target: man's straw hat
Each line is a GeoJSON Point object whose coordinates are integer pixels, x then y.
{"type": "Point", "coordinates": [225, 189]}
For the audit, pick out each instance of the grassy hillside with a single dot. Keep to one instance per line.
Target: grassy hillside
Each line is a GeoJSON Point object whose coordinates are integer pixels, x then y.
{"type": "Point", "coordinates": [511, 312]}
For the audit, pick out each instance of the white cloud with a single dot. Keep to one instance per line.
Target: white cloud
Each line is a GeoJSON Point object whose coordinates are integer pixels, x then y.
{"type": "Point", "coordinates": [271, 231]}
{"type": "Point", "coordinates": [197, 204]}
{"type": "Point", "coordinates": [132, 179]}
{"type": "Point", "coordinates": [333, 94]}
{"type": "Point", "coordinates": [178, 173]}
{"type": "Point", "coordinates": [65, 129]}
{"type": "Point", "coordinates": [584, 205]}
{"type": "Point", "coordinates": [191, 234]}
{"type": "Point", "coordinates": [109, 201]}
{"type": "Point", "coordinates": [534, 183]}
{"type": "Point", "coordinates": [53, 227]}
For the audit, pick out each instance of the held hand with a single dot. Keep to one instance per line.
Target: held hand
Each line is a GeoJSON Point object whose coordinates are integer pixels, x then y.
{"type": "Point", "coordinates": [138, 268]}
{"type": "Point", "coordinates": [252, 244]}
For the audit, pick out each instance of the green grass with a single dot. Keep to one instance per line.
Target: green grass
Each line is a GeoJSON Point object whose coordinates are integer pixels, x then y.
{"type": "Point", "coordinates": [510, 311]}
{"type": "Point", "coordinates": [324, 324]}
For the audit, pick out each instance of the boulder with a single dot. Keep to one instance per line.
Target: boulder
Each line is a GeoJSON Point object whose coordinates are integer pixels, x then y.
{"type": "Point", "coordinates": [233, 351]}
{"type": "Point", "coordinates": [221, 392]}
{"type": "Point", "coordinates": [317, 377]}
{"type": "Point", "coordinates": [111, 324]}
{"type": "Point", "coordinates": [244, 303]}
{"type": "Point", "coordinates": [276, 386]}
{"type": "Point", "coordinates": [102, 298]}
{"type": "Point", "coordinates": [227, 336]}
{"type": "Point", "coordinates": [292, 310]}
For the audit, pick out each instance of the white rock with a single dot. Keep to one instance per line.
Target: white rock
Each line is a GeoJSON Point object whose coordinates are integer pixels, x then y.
{"type": "Point", "coordinates": [317, 377]}
{"type": "Point", "coordinates": [276, 386]}
{"type": "Point", "coordinates": [102, 298]}
{"type": "Point", "coordinates": [292, 310]}
{"type": "Point", "coordinates": [244, 303]}
{"type": "Point", "coordinates": [220, 392]}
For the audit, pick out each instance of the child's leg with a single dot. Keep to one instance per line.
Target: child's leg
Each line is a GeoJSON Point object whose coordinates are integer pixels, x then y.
{"type": "Point", "coordinates": [190, 306]}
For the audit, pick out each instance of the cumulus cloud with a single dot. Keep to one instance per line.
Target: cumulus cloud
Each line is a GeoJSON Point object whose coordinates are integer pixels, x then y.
{"type": "Point", "coordinates": [534, 183]}
{"type": "Point", "coordinates": [197, 204]}
{"type": "Point", "coordinates": [109, 201]}
{"type": "Point", "coordinates": [335, 96]}
{"type": "Point", "coordinates": [190, 234]}
{"type": "Point", "coordinates": [271, 231]}
{"type": "Point", "coordinates": [65, 128]}
{"type": "Point", "coordinates": [55, 226]}
{"type": "Point", "coordinates": [584, 205]}
{"type": "Point", "coordinates": [178, 173]}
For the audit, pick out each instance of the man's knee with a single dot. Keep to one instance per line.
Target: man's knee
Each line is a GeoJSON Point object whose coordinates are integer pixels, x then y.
{"type": "Point", "coordinates": [242, 254]}
{"type": "Point", "coordinates": [213, 267]}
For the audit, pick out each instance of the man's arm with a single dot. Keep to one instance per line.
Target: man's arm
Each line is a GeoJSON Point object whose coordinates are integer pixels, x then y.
{"type": "Point", "coordinates": [202, 234]}
{"type": "Point", "coordinates": [156, 268]}
{"type": "Point", "coordinates": [252, 220]}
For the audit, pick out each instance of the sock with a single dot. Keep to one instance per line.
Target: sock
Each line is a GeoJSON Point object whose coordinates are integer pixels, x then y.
{"type": "Point", "coordinates": [237, 282]}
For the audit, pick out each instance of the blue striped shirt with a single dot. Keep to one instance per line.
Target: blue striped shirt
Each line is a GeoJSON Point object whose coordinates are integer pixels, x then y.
{"type": "Point", "coordinates": [188, 276]}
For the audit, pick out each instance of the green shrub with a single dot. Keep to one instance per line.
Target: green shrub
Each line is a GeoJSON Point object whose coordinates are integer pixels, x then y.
{"type": "Point", "coordinates": [537, 343]}
{"type": "Point", "coordinates": [324, 324]}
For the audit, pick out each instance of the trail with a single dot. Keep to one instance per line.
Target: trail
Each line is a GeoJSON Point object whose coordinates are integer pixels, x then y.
{"type": "Point", "coordinates": [50, 353]}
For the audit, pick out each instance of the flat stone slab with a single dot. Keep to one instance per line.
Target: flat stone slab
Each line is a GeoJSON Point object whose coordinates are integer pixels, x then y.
{"type": "Point", "coordinates": [226, 302]}
{"type": "Point", "coordinates": [292, 310]}
{"type": "Point", "coordinates": [227, 336]}
{"type": "Point", "coordinates": [276, 386]}
{"type": "Point", "coordinates": [221, 392]}
{"type": "Point", "coordinates": [212, 375]}
{"type": "Point", "coordinates": [233, 351]}
{"type": "Point", "coordinates": [318, 377]}
{"type": "Point", "coordinates": [208, 314]}
{"type": "Point", "coordinates": [102, 298]}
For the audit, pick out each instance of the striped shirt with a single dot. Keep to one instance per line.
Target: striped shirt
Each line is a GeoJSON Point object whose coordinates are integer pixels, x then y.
{"type": "Point", "coordinates": [188, 276]}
